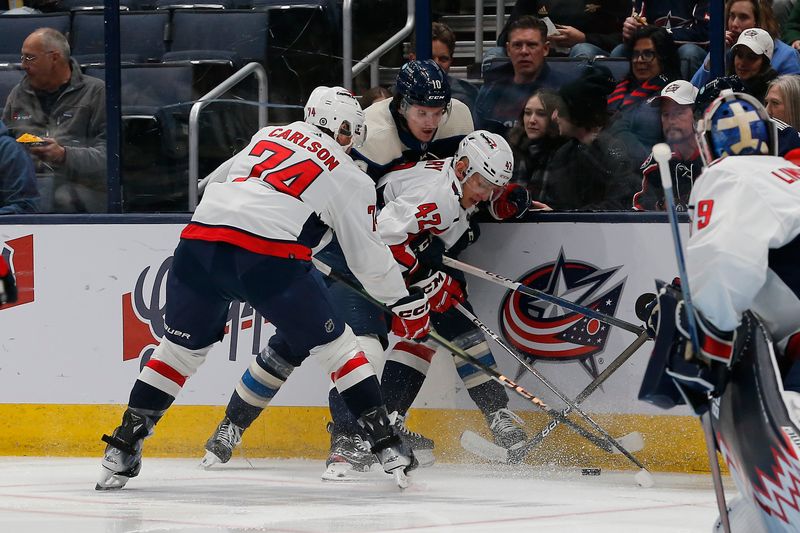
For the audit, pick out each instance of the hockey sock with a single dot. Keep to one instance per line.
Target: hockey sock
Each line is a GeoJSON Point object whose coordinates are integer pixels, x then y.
{"type": "Point", "coordinates": [489, 397]}
{"type": "Point", "coordinates": [404, 373]}
{"type": "Point", "coordinates": [155, 389]}
{"type": "Point", "coordinates": [487, 394]}
{"type": "Point", "coordinates": [257, 386]}
{"type": "Point", "coordinates": [344, 421]}
{"type": "Point", "coordinates": [357, 384]}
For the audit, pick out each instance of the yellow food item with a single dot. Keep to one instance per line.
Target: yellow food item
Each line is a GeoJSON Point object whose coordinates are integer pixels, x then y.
{"type": "Point", "coordinates": [28, 138]}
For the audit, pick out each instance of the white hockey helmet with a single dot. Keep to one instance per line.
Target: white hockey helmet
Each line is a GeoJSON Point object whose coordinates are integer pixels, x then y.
{"type": "Point", "coordinates": [487, 154]}
{"type": "Point", "coordinates": [338, 111]}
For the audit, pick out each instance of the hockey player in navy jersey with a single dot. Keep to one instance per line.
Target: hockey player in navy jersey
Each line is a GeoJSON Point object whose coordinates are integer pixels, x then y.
{"type": "Point", "coordinates": [429, 198]}
{"type": "Point", "coordinates": [742, 263]}
{"type": "Point", "coordinates": [250, 239]}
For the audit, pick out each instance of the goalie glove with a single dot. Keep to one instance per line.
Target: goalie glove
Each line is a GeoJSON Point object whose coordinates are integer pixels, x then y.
{"type": "Point", "coordinates": [8, 286]}
{"type": "Point", "coordinates": [512, 202]}
{"type": "Point", "coordinates": [411, 315]}
{"type": "Point", "coordinates": [442, 291]}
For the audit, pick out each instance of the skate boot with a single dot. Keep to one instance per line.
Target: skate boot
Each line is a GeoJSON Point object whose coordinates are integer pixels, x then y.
{"type": "Point", "coordinates": [219, 447]}
{"type": "Point", "coordinates": [349, 454]}
{"type": "Point", "coordinates": [422, 446]}
{"type": "Point", "coordinates": [507, 433]}
{"type": "Point", "coordinates": [395, 456]}
{"type": "Point", "coordinates": [123, 456]}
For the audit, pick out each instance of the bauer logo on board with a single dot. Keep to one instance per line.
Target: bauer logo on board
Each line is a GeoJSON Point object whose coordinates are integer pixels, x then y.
{"type": "Point", "coordinates": [549, 332]}
{"type": "Point", "coordinates": [18, 253]}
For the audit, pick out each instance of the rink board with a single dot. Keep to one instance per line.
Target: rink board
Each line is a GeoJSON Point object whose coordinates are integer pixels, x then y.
{"type": "Point", "coordinates": [91, 309]}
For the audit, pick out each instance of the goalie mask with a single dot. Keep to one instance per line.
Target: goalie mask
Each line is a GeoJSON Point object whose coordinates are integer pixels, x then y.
{"type": "Point", "coordinates": [336, 110]}
{"type": "Point", "coordinates": [489, 155]}
{"type": "Point", "coordinates": [736, 124]}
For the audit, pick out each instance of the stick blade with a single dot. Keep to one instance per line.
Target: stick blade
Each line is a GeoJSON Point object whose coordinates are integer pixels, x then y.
{"type": "Point", "coordinates": [633, 442]}
{"type": "Point", "coordinates": [475, 444]}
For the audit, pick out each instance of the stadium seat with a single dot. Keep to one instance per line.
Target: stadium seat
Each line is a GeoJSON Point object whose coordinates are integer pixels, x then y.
{"type": "Point", "coordinates": [193, 4]}
{"type": "Point", "coordinates": [142, 36]}
{"type": "Point", "coordinates": [15, 29]}
{"type": "Point", "coordinates": [234, 36]}
{"type": "Point", "coordinates": [95, 5]}
{"type": "Point", "coordinates": [9, 77]}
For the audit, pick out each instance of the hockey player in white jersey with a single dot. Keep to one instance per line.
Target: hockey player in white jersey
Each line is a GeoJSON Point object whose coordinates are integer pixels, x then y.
{"type": "Point", "coordinates": [251, 239]}
{"type": "Point", "coordinates": [742, 262]}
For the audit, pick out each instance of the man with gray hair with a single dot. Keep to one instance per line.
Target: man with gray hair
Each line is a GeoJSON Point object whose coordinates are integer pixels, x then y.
{"type": "Point", "coordinates": [67, 111]}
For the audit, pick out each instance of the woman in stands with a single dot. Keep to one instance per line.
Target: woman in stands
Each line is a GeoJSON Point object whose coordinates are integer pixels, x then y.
{"type": "Point", "coordinates": [741, 15]}
{"type": "Point", "coordinates": [654, 63]}
{"type": "Point", "coordinates": [534, 140]}
{"type": "Point", "coordinates": [752, 56]}
{"type": "Point", "coordinates": [783, 99]}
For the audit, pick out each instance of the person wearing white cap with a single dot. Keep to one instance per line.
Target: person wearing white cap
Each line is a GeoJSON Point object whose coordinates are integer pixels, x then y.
{"type": "Point", "coordinates": [676, 103]}
{"type": "Point", "coordinates": [752, 61]}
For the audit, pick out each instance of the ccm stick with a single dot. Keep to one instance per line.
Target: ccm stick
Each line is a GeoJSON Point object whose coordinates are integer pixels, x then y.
{"type": "Point", "coordinates": [643, 476]}
{"type": "Point", "coordinates": [633, 441]}
{"type": "Point", "coordinates": [662, 154]}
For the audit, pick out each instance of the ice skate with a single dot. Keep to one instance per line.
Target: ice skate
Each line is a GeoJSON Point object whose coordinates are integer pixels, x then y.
{"type": "Point", "coordinates": [219, 447]}
{"type": "Point", "coordinates": [394, 455]}
{"type": "Point", "coordinates": [507, 433]}
{"type": "Point", "coordinates": [123, 456]}
{"type": "Point", "coordinates": [422, 446]}
{"type": "Point", "coordinates": [349, 456]}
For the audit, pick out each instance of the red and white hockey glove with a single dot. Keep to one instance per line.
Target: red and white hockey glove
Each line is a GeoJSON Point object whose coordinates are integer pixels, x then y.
{"type": "Point", "coordinates": [8, 286]}
{"type": "Point", "coordinates": [411, 315]}
{"type": "Point", "coordinates": [442, 291]}
{"type": "Point", "coordinates": [513, 202]}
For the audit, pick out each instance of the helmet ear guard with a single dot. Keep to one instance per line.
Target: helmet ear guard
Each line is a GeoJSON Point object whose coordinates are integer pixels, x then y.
{"type": "Point", "coordinates": [487, 154]}
{"type": "Point", "coordinates": [736, 124]}
{"type": "Point", "coordinates": [336, 109]}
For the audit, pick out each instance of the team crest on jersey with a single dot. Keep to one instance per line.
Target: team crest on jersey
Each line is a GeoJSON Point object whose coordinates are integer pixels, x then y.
{"type": "Point", "coordinates": [549, 332]}
{"type": "Point", "coordinates": [143, 324]}
{"type": "Point", "coordinates": [18, 253]}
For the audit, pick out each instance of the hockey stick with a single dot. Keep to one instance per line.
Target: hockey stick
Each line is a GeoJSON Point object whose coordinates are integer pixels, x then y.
{"type": "Point", "coordinates": [535, 293]}
{"type": "Point", "coordinates": [632, 441]}
{"type": "Point", "coordinates": [643, 477]}
{"type": "Point", "coordinates": [662, 154]}
{"type": "Point", "coordinates": [438, 339]}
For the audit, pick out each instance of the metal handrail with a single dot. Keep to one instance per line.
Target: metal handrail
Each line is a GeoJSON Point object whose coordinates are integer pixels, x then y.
{"type": "Point", "coordinates": [194, 118]}
{"type": "Point", "coordinates": [349, 70]}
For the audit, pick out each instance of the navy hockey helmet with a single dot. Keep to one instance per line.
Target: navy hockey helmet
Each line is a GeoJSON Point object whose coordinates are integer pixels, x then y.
{"type": "Point", "coordinates": [736, 124]}
{"type": "Point", "coordinates": [423, 83]}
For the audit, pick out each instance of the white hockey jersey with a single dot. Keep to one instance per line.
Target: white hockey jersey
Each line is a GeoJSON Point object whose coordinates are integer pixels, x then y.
{"type": "Point", "coordinates": [386, 147]}
{"type": "Point", "coordinates": [744, 249]}
{"type": "Point", "coordinates": [284, 191]}
{"type": "Point", "coordinates": [422, 198]}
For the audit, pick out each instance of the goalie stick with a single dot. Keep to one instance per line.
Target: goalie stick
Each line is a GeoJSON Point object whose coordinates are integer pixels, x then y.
{"type": "Point", "coordinates": [632, 441]}
{"type": "Point", "coordinates": [662, 154]}
{"type": "Point", "coordinates": [643, 477]}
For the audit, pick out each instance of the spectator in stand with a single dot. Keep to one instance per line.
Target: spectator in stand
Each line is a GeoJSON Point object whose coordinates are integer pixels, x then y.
{"type": "Point", "coordinates": [686, 20]}
{"type": "Point", "coordinates": [56, 102]}
{"type": "Point", "coordinates": [443, 46]}
{"type": "Point", "coordinates": [752, 55]}
{"type": "Point", "coordinates": [791, 30]}
{"type": "Point", "coordinates": [591, 171]}
{"type": "Point", "coordinates": [654, 63]}
{"type": "Point", "coordinates": [374, 94]}
{"type": "Point", "coordinates": [581, 28]}
{"type": "Point", "coordinates": [783, 100]}
{"type": "Point", "coordinates": [785, 11]}
{"type": "Point", "coordinates": [18, 193]}
{"type": "Point", "coordinates": [500, 101]}
{"type": "Point", "coordinates": [676, 105]}
{"type": "Point", "coordinates": [741, 15]}
{"type": "Point", "coordinates": [534, 140]}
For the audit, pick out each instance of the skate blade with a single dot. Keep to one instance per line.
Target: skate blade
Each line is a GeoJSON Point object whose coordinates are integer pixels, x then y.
{"type": "Point", "coordinates": [110, 480]}
{"type": "Point", "coordinates": [209, 460]}
{"type": "Point", "coordinates": [401, 478]}
{"type": "Point", "coordinates": [425, 458]}
{"type": "Point", "coordinates": [344, 472]}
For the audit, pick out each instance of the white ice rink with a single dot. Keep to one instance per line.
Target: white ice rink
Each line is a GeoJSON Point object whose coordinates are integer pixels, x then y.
{"type": "Point", "coordinates": [287, 496]}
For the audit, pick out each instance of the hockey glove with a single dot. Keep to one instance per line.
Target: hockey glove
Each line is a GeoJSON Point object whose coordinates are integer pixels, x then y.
{"type": "Point", "coordinates": [513, 202]}
{"type": "Point", "coordinates": [8, 286]}
{"type": "Point", "coordinates": [442, 291]}
{"type": "Point", "coordinates": [429, 250]}
{"type": "Point", "coordinates": [468, 237]}
{"type": "Point", "coordinates": [411, 315]}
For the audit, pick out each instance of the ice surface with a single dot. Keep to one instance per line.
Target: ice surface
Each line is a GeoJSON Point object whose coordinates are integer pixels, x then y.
{"type": "Point", "coordinates": [174, 495]}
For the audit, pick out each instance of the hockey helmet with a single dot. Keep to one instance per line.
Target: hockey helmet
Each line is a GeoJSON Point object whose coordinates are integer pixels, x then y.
{"type": "Point", "coordinates": [423, 83]}
{"type": "Point", "coordinates": [488, 154]}
{"type": "Point", "coordinates": [336, 110]}
{"type": "Point", "coordinates": [736, 124]}
{"type": "Point", "coordinates": [711, 91]}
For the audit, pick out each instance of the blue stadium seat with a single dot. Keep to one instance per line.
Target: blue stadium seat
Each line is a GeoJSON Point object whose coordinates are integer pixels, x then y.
{"type": "Point", "coordinates": [234, 36]}
{"type": "Point", "coordinates": [9, 77]}
{"type": "Point", "coordinates": [193, 4]}
{"type": "Point", "coordinates": [14, 29]}
{"type": "Point", "coordinates": [95, 5]}
{"type": "Point", "coordinates": [142, 36]}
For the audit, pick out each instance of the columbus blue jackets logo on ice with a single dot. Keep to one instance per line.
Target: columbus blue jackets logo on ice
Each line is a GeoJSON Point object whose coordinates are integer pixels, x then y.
{"type": "Point", "coordinates": [547, 331]}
